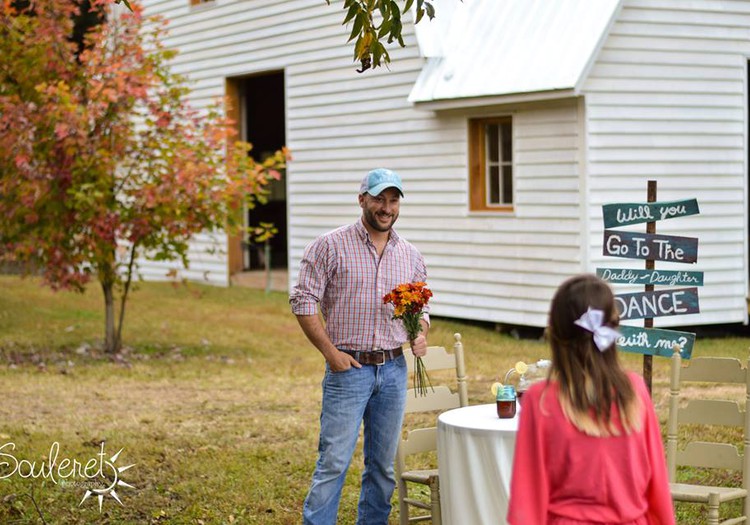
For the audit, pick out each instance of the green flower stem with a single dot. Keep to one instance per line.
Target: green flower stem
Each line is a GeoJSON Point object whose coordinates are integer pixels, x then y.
{"type": "Point", "coordinates": [421, 379]}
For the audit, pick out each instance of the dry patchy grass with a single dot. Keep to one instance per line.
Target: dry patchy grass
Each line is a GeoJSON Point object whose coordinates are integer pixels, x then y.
{"type": "Point", "coordinates": [215, 400]}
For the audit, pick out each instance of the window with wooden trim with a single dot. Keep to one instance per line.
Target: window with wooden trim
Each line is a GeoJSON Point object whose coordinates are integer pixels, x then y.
{"type": "Point", "coordinates": [491, 164]}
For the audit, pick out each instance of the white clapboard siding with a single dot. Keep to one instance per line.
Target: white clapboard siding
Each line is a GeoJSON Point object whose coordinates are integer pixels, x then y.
{"type": "Point", "coordinates": [208, 263]}
{"type": "Point", "coordinates": [341, 124]}
{"type": "Point", "coordinates": [665, 100]}
{"type": "Point", "coordinates": [491, 267]}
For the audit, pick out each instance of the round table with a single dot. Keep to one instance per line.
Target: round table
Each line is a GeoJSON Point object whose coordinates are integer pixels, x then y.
{"type": "Point", "coordinates": [475, 461]}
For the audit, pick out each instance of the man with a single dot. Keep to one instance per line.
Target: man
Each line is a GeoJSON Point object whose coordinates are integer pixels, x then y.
{"type": "Point", "coordinates": [347, 272]}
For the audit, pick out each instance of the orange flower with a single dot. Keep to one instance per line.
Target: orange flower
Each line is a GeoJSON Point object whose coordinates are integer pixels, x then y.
{"type": "Point", "coordinates": [408, 300]}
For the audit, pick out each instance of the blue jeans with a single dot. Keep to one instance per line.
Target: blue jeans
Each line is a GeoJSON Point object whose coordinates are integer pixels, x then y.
{"type": "Point", "coordinates": [375, 395]}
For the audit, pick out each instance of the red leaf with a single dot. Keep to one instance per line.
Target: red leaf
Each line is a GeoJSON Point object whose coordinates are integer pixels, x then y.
{"type": "Point", "coordinates": [62, 130]}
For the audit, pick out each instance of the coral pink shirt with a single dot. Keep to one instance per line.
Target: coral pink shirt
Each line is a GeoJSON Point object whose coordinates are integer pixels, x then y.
{"type": "Point", "coordinates": [562, 476]}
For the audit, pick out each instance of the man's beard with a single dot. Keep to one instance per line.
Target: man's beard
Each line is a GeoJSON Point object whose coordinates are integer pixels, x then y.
{"type": "Point", "coordinates": [371, 219]}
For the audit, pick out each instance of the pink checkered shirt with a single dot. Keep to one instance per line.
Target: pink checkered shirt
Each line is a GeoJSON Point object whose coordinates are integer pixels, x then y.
{"type": "Point", "coordinates": [340, 271]}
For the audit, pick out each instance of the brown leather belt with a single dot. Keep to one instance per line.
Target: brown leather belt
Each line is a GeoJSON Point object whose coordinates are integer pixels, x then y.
{"type": "Point", "coordinates": [374, 357]}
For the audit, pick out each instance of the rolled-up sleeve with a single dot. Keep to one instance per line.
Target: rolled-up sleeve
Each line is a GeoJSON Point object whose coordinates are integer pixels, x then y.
{"type": "Point", "coordinates": [311, 283]}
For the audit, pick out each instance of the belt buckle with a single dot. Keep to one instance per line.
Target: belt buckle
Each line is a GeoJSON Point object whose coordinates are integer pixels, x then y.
{"type": "Point", "coordinates": [382, 353]}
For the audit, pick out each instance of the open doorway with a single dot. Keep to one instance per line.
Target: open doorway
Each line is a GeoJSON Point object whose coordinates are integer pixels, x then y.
{"type": "Point", "coordinates": [258, 102]}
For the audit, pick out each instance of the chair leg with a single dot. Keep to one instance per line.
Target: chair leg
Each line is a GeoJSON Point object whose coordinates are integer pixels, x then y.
{"type": "Point", "coordinates": [713, 509]}
{"type": "Point", "coordinates": [437, 518]}
{"type": "Point", "coordinates": [403, 507]}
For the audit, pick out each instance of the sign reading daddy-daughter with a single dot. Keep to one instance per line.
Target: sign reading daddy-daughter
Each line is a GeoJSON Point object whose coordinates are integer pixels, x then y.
{"type": "Point", "coordinates": [652, 303]}
{"type": "Point", "coordinates": [663, 277]}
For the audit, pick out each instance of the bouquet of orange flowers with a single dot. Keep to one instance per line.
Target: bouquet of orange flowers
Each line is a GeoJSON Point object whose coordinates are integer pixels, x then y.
{"type": "Point", "coordinates": [409, 300]}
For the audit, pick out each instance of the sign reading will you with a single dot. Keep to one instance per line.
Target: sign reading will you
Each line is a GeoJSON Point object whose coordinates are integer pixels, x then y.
{"type": "Point", "coordinates": [654, 341]}
{"type": "Point", "coordinates": [631, 245]}
{"type": "Point", "coordinates": [677, 301]}
{"type": "Point", "coordinates": [623, 214]}
{"type": "Point", "coordinates": [663, 277]}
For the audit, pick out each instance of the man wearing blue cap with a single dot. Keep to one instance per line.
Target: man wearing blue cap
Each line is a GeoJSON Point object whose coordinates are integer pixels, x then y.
{"type": "Point", "coordinates": [347, 272]}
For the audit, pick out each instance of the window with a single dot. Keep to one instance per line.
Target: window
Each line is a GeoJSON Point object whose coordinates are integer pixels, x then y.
{"type": "Point", "coordinates": [491, 164]}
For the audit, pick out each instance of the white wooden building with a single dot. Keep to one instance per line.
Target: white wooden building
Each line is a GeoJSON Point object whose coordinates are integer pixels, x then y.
{"type": "Point", "coordinates": [511, 123]}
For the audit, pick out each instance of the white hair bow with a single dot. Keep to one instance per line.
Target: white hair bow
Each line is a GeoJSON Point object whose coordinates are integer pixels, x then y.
{"type": "Point", "coordinates": [604, 335]}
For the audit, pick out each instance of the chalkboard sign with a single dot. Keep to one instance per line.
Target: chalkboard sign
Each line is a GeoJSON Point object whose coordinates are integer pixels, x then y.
{"type": "Point", "coordinates": [661, 277]}
{"type": "Point", "coordinates": [651, 247]}
{"type": "Point", "coordinates": [654, 341]}
{"type": "Point", "coordinates": [631, 245]}
{"type": "Point", "coordinates": [623, 214]}
{"type": "Point", "coordinates": [676, 301]}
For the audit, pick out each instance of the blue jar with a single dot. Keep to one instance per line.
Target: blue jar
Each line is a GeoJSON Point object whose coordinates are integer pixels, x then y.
{"type": "Point", "coordinates": [506, 402]}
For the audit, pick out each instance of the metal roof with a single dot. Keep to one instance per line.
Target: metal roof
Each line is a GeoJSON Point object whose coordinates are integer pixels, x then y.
{"type": "Point", "coordinates": [490, 48]}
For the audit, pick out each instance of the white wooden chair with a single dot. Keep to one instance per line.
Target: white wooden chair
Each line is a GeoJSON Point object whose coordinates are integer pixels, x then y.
{"type": "Point", "coordinates": [709, 454]}
{"type": "Point", "coordinates": [422, 440]}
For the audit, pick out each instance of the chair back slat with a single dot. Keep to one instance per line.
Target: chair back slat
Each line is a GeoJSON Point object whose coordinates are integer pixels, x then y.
{"type": "Point", "coordinates": [437, 358]}
{"type": "Point", "coordinates": [419, 440]}
{"type": "Point", "coordinates": [710, 455]}
{"type": "Point", "coordinates": [442, 398]}
{"type": "Point", "coordinates": [712, 412]}
{"type": "Point", "coordinates": [714, 370]}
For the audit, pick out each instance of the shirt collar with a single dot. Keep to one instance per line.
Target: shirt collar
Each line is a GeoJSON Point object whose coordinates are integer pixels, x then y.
{"type": "Point", "coordinates": [365, 235]}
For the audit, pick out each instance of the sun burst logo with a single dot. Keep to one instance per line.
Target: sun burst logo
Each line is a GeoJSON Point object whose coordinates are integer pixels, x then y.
{"type": "Point", "coordinates": [110, 479]}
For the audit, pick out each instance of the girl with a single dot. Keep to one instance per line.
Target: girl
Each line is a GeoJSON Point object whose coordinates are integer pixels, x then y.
{"type": "Point", "coordinates": [588, 449]}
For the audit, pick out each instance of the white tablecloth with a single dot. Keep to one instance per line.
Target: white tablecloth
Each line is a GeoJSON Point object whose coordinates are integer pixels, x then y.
{"type": "Point", "coordinates": [475, 461]}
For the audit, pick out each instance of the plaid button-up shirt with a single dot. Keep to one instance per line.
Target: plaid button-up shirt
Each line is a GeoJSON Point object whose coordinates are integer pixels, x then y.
{"type": "Point", "coordinates": [341, 271]}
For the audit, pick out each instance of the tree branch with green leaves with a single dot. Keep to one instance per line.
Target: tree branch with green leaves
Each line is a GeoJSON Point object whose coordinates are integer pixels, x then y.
{"type": "Point", "coordinates": [377, 21]}
{"type": "Point", "coordinates": [373, 21]}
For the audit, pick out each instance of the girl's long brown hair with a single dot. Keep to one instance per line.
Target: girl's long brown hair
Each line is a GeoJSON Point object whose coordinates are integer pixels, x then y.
{"type": "Point", "coordinates": [590, 382]}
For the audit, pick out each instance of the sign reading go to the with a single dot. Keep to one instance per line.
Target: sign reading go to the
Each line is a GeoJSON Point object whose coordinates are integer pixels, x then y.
{"type": "Point", "coordinates": [631, 245]}
{"type": "Point", "coordinates": [661, 277]}
{"type": "Point", "coordinates": [654, 341]}
{"type": "Point", "coordinates": [622, 214]}
{"type": "Point", "coordinates": [677, 301]}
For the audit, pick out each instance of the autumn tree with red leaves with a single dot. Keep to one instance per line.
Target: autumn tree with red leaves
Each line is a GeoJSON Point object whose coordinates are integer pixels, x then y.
{"type": "Point", "coordinates": [102, 160]}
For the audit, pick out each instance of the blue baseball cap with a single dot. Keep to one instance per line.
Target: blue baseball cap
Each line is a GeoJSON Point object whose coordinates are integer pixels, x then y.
{"type": "Point", "coordinates": [378, 180]}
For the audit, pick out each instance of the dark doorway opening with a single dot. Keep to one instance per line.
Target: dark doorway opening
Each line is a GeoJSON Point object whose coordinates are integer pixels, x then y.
{"type": "Point", "coordinates": [263, 124]}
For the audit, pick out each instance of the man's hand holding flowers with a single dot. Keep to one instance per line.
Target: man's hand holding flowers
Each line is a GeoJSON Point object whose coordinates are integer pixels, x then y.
{"type": "Point", "coordinates": [419, 344]}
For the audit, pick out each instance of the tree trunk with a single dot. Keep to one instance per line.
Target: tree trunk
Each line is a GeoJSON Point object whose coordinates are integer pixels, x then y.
{"type": "Point", "coordinates": [111, 344]}
{"type": "Point", "coordinates": [109, 280]}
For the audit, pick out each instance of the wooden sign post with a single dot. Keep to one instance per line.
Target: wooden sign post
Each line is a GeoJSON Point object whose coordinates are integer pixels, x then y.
{"type": "Point", "coordinates": [648, 322]}
{"type": "Point", "coordinates": [650, 303]}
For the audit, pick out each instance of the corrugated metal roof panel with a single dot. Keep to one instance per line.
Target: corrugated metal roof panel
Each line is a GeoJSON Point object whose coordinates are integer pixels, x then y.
{"type": "Point", "coordinates": [478, 48]}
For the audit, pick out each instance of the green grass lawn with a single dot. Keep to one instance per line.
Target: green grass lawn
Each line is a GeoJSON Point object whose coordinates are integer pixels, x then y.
{"type": "Point", "coordinates": [215, 400]}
